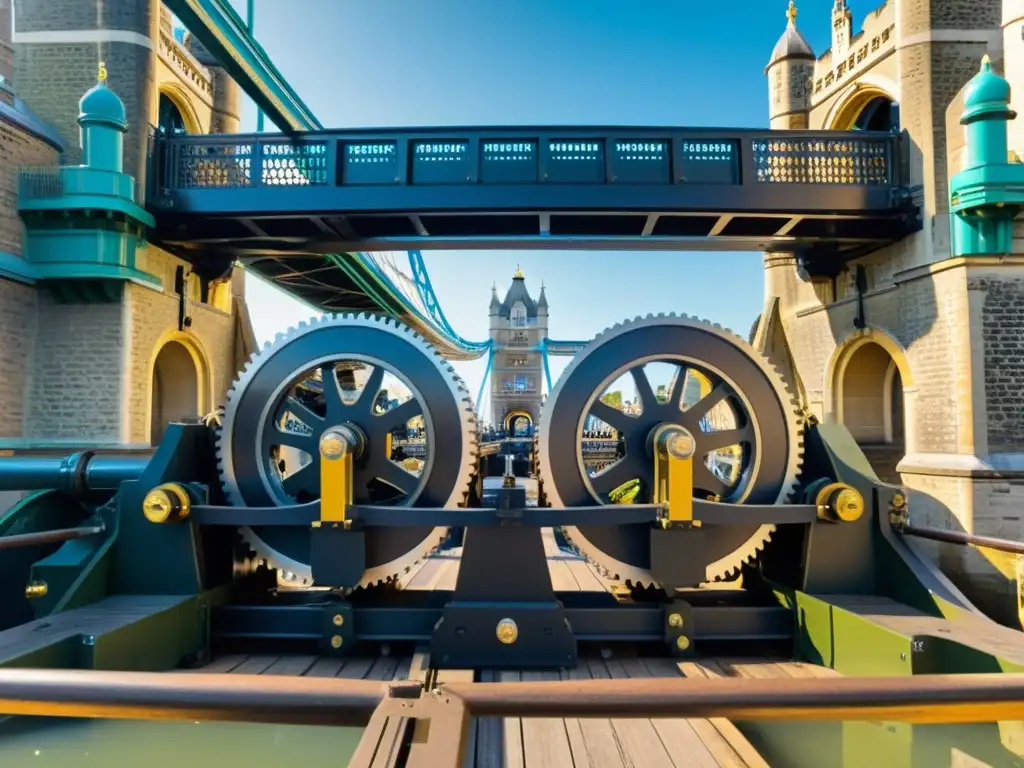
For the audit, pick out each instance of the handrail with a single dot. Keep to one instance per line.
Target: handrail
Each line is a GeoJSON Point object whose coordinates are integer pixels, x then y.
{"type": "Point", "coordinates": [49, 537]}
{"type": "Point", "coordinates": [962, 537]}
{"type": "Point", "coordinates": [332, 701]}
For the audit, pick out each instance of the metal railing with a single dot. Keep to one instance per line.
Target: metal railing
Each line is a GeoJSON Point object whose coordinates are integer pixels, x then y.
{"type": "Point", "coordinates": [332, 701]}
{"type": "Point", "coordinates": [585, 154]}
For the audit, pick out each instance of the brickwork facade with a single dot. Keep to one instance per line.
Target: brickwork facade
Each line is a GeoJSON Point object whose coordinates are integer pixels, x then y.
{"type": "Point", "coordinates": [17, 149]}
{"type": "Point", "coordinates": [17, 331]}
{"type": "Point", "coordinates": [952, 326]}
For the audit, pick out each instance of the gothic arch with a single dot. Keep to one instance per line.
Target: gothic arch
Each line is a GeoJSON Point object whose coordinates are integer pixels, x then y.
{"type": "Point", "coordinates": [181, 99]}
{"type": "Point", "coordinates": [838, 364]}
{"type": "Point", "coordinates": [180, 385]}
{"type": "Point", "coordinates": [843, 114]}
{"type": "Point", "coordinates": [512, 416]}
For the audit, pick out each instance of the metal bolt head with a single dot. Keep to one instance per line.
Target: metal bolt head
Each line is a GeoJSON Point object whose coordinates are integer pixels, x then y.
{"type": "Point", "coordinates": [682, 642]}
{"type": "Point", "coordinates": [899, 500]}
{"type": "Point", "coordinates": [849, 505]}
{"type": "Point", "coordinates": [507, 631]}
{"type": "Point", "coordinates": [675, 620]}
{"type": "Point", "coordinates": [36, 589]}
{"type": "Point", "coordinates": [338, 620]}
{"type": "Point", "coordinates": [336, 641]}
{"type": "Point", "coordinates": [157, 506]}
{"type": "Point", "coordinates": [332, 445]}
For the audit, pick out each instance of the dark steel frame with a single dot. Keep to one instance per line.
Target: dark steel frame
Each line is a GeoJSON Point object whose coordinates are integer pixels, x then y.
{"type": "Point", "coordinates": [247, 218]}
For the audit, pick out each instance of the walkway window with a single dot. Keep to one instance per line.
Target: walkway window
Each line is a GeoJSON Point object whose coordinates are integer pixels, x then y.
{"type": "Point", "coordinates": [877, 115]}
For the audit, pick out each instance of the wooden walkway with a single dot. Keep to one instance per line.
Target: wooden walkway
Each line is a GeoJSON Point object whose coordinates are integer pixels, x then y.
{"type": "Point", "coordinates": [569, 572]}
{"type": "Point", "coordinates": [563, 742]}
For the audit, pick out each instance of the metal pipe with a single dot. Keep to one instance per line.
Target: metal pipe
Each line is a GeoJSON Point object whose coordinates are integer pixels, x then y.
{"type": "Point", "coordinates": [915, 699]}
{"type": "Point", "coordinates": [48, 537]}
{"type": "Point", "coordinates": [178, 696]}
{"type": "Point", "coordinates": [332, 701]}
{"type": "Point", "coordinates": [961, 537]}
{"type": "Point", "coordinates": [73, 473]}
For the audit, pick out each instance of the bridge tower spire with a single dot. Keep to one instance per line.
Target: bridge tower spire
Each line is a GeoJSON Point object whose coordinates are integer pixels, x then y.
{"type": "Point", "coordinates": [789, 74]}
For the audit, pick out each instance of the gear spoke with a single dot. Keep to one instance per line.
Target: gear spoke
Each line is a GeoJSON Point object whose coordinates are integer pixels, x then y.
{"type": "Point", "coordinates": [611, 416]}
{"type": "Point", "coordinates": [703, 407]}
{"type": "Point", "coordinates": [276, 436]}
{"type": "Point", "coordinates": [303, 413]}
{"type": "Point", "coordinates": [395, 475]}
{"type": "Point", "coordinates": [398, 417]}
{"type": "Point", "coordinates": [610, 478]}
{"type": "Point", "coordinates": [305, 479]}
{"type": "Point", "coordinates": [706, 480]}
{"type": "Point", "coordinates": [368, 396]}
{"type": "Point", "coordinates": [333, 400]}
{"type": "Point", "coordinates": [712, 441]}
{"type": "Point", "coordinates": [643, 388]}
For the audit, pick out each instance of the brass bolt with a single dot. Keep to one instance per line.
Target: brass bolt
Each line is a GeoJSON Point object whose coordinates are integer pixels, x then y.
{"type": "Point", "coordinates": [167, 503]}
{"type": "Point", "coordinates": [36, 589]}
{"type": "Point", "coordinates": [507, 631]}
{"type": "Point", "coordinates": [682, 642]}
{"type": "Point", "coordinates": [899, 500]}
{"type": "Point", "coordinates": [675, 620]}
{"type": "Point", "coordinates": [849, 505]}
{"type": "Point", "coordinates": [336, 641]}
{"type": "Point", "coordinates": [338, 620]}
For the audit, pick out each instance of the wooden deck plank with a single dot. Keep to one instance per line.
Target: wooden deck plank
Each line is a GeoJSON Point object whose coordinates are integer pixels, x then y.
{"type": "Point", "coordinates": [490, 734]}
{"type": "Point", "coordinates": [220, 665]}
{"type": "Point", "coordinates": [679, 737]}
{"type": "Point", "coordinates": [545, 739]}
{"type": "Point", "coordinates": [641, 746]}
{"type": "Point", "coordinates": [325, 666]}
{"type": "Point", "coordinates": [291, 666]}
{"type": "Point", "coordinates": [600, 747]}
{"type": "Point", "coordinates": [513, 752]}
{"type": "Point", "coordinates": [355, 668]}
{"type": "Point", "coordinates": [255, 665]}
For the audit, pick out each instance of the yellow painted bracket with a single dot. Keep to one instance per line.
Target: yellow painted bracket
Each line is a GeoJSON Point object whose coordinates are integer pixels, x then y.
{"type": "Point", "coordinates": [336, 454]}
{"type": "Point", "coordinates": [674, 449]}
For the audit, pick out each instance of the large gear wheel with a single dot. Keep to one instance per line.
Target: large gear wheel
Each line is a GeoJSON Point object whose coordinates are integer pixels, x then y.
{"type": "Point", "coordinates": [745, 424]}
{"type": "Point", "coordinates": [307, 382]}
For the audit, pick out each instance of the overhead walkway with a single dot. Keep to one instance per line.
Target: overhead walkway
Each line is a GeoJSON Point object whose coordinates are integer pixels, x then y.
{"type": "Point", "coordinates": [335, 282]}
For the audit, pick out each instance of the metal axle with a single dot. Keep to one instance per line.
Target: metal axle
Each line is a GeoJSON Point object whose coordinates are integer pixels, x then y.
{"type": "Point", "coordinates": [77, 473]}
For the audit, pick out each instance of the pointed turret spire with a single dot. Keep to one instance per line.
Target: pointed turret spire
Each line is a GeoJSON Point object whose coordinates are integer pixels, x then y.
{"type": "Point", "coordinates": [542, 300]}
{"type": "Point", "coordinates": [495, 304]}
{"type": "Point", "coordinates": [792, 44]}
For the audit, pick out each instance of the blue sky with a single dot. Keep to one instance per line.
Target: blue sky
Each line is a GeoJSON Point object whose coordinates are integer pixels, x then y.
{"type": "Point", "coordinates": [363, 63]}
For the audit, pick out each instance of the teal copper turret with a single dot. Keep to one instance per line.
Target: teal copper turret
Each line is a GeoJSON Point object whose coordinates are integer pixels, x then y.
{"type": "Point", "coordinates": [82, 224]}
{"type": "Point", "coordinates": [987, 195]}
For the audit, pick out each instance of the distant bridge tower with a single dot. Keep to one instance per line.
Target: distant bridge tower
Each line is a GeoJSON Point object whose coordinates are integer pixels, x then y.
{"type": "Point", "coordinates": [518, 324]}
{"type": "Point", "coordinates": [917, 348]}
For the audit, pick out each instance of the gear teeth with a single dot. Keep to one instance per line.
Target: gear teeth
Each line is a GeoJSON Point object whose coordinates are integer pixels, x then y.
{"type": "Point", "coordinates": [388, 572]}
{"type": "Point", "coordinates": [747, 553]}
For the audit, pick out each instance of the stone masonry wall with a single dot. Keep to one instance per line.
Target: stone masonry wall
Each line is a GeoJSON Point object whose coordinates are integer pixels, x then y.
{"type": "Point", "coordinates": [52, 77]}
{"type": "Point", "coordinates": [17, 150]}
{"type": "Point", "coordinates": [154, 313]}
{"type": "Point", "coordinates": [75, 376]}
{"type": "Point", "coordinates": [17, 330]}
{"type": "Point", "coordinates": [1002, 338]}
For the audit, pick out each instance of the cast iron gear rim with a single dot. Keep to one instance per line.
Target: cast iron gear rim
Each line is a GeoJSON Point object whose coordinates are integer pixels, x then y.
{"type": "Point", "coordinates": [447, 411]}
{"type": "Point", "coordinates": [682, 337]}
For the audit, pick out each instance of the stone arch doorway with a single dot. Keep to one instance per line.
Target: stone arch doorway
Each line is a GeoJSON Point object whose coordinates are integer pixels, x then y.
{"type": "Point", "coordinates": [178, 385]}
{"type": "Point", "coordinates": [175, 114]}
{"type": "Point", "coordinates": [866, 108]}
{"type": "Point", "coordinates": [869, 401]}
{"type": "Point", "coordinates": [519, 424]}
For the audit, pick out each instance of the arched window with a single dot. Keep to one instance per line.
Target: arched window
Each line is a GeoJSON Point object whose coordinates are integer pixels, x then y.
{"type": "Point", "coordinates": [171, 122]}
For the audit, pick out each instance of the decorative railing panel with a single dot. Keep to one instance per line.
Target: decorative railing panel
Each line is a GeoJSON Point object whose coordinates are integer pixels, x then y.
{"type": "Point", "coordinates": [646, 157]}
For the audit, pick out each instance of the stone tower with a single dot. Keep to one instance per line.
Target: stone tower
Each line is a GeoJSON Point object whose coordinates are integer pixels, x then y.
{"type": "Point", "coordinates": [518, 325]}
{"type": "Point", "coordinates": [917, 348]}
{"type": "Point", "coordinates": [789, 74]}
